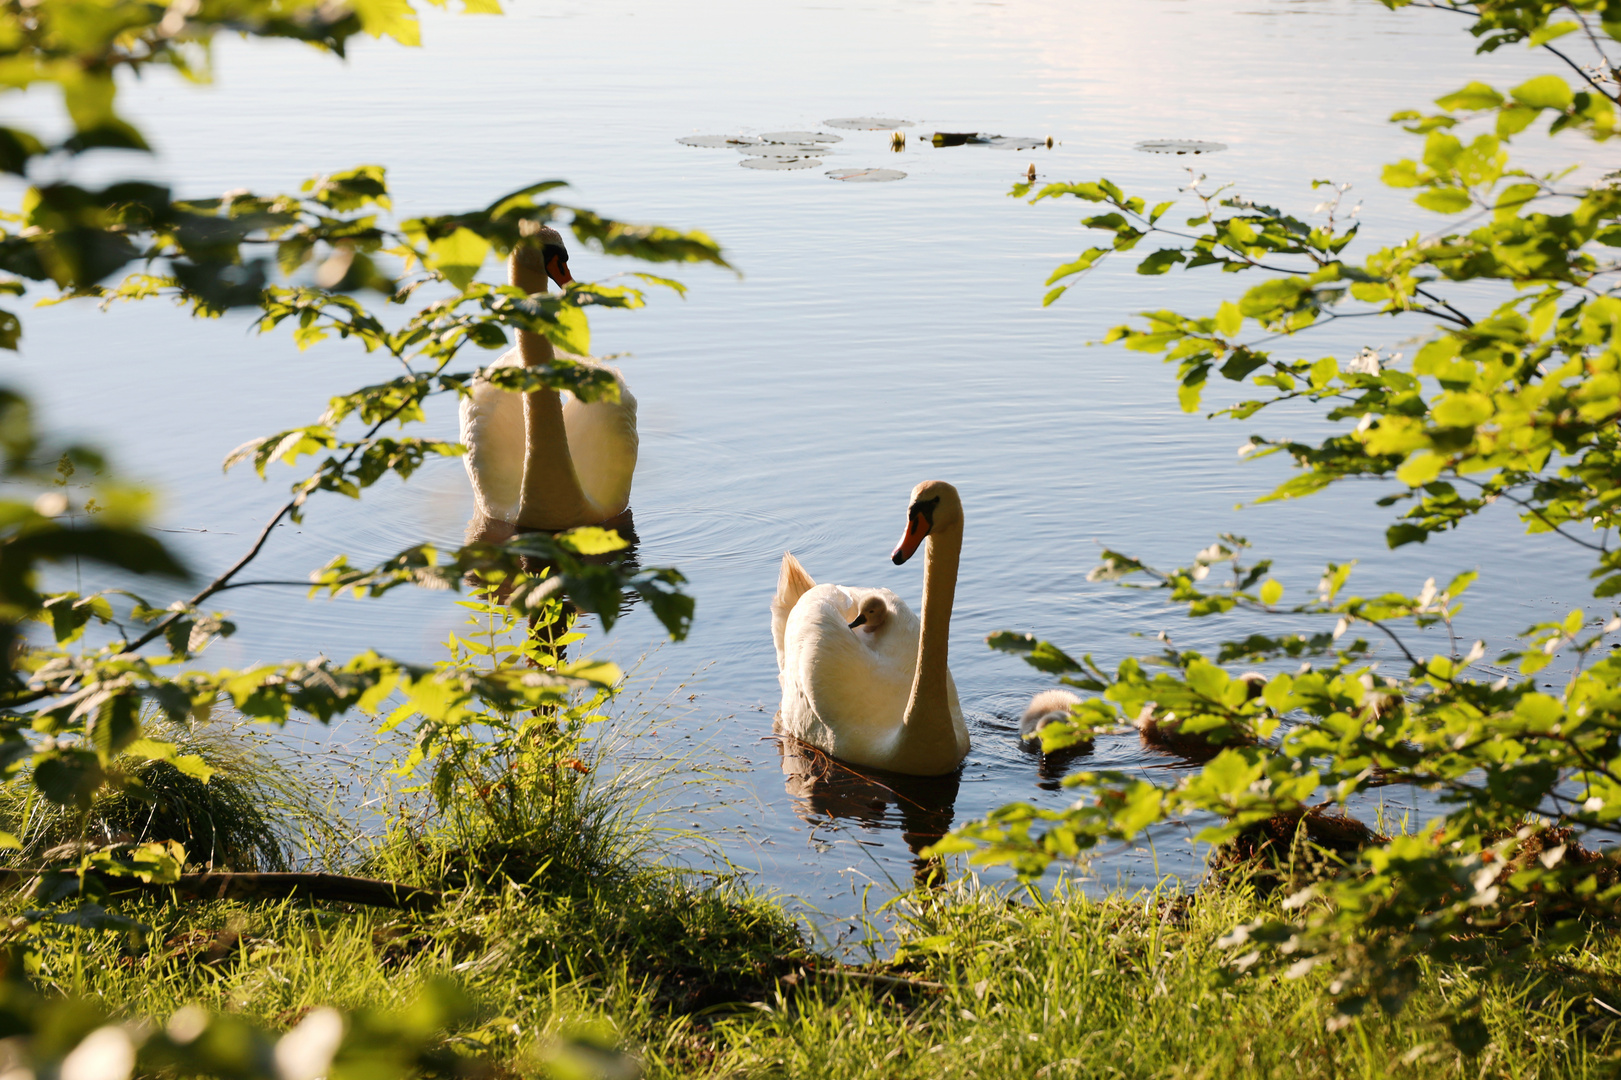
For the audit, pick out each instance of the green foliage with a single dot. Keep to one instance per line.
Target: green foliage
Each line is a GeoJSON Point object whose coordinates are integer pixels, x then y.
{"type": "Point", "coordinates": [1514, 395]}
{"type": "Point", "coordinates": [700, 982]}
{"type": "Point", "coordinates": [99, 701]}
{"type": "Point", "coordinates": [214, 790]}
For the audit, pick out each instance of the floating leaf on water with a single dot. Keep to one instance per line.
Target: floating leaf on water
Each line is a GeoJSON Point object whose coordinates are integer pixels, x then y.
{"type": "Point", "coordinates": [954, 138]}
{"type": "Point", "coordinates": [862, 176]}
{"type": "Point", "coordinates": [867, 123]}
{"type": "Point", "coordinates": [1179, 146]}
{"type": "Point", "coordinates": [718, 140]}
{"type": "Point", "coordinates": [783, 150]}
{"type": "Point", "coordinates": [800, 137]}
{"type": "Point", "coordinates": [780, 162]}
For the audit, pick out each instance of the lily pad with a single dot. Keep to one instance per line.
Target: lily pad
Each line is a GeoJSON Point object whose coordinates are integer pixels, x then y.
{"type": "Point", "coordinates": [783, 150]}
{"type": "Point", "coordinates": [866, 176]}
{"type": "Point", "coordinates": [800, 137]}
{"type": "Point", "coordinates": [867, 123]}
{"type": "Point", "coordinates": [718, 140]}
{"type": "Point", "coordinates": [1179, 146]}
{"type": "Point", "coordinates": [780, 162]}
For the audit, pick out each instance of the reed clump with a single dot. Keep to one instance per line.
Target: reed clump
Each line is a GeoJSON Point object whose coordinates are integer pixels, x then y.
{"type": "Point", "coordinates": [255, 812]}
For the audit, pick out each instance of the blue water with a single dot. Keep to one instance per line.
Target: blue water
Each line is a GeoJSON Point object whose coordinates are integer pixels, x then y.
{"type": "Point", "coordinates": [880, 334]}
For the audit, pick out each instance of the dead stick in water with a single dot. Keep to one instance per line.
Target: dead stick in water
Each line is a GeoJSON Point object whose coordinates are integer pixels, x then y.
{"type": "Point", "coordinates": [224, 885]}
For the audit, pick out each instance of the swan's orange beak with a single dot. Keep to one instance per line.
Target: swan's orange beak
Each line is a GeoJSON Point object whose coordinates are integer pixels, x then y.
{"type": "Point", "coordinates": [917, 527]}
{"type": "Point", "coordinates": [557, 268]}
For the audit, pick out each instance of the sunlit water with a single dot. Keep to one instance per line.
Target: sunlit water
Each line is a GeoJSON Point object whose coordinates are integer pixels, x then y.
{"type": "Point", "coordinates": [881, 334]}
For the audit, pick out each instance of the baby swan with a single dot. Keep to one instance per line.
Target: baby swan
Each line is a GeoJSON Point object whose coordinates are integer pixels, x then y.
{"type": "Point", "coordinates": [1047, 707]}
{"type": "Point", "coordinates": [873, 615]}
{"type": "Point", "coordinates": [1044, 707]}
{"type": "Point", "coordinates": [1162, 731]}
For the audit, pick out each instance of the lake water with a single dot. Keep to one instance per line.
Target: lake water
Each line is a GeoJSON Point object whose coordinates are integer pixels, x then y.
{"type": "Point", "coordinates": [881, 334]}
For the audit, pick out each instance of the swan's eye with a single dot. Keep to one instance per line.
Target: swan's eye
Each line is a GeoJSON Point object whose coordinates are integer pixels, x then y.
{"type": "Point", "coordinates": [925, 507]}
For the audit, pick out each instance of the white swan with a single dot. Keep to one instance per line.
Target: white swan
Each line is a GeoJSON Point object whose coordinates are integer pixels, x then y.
{"type": "Point", "coordinates": [864, 679]}
{"type": "Point", "coordinates": [546, 460]}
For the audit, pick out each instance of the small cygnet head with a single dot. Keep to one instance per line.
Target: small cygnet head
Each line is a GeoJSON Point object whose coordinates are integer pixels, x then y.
{"type": "Point", "coordinates": [1254, 684]}
{"type": "Point", "coordinates": [541, 251]}
{"type": "Point", "coordinates": [873, 615]}
{"type": "Point", "coordinates": [1047, 707]}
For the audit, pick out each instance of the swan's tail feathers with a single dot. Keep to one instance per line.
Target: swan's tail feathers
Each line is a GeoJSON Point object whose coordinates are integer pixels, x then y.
{"type": "Point", "coordinates": [792, 583]}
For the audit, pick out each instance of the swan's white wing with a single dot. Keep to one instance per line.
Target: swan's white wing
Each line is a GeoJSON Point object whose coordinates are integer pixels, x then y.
{"type": "Point", "coordinates": [603, 442]}
{"type": "Point", "coordinates": [844, 690]}
{"type": "Point", "coordinates": [792, 584]}
{"type": "Point", "coordinates": [492, 429]}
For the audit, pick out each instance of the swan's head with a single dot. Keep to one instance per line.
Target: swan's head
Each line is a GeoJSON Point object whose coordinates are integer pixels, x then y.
{"type": "Point", "coordinates": [873, 615]}
{"type": "Point", "coordinates": [540, 252]}
{"type": "Point", "coordinates": [934, 506]}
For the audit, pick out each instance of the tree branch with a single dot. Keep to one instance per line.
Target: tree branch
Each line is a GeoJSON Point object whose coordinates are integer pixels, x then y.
{"type": "Point", "coordinates": [336, 888]}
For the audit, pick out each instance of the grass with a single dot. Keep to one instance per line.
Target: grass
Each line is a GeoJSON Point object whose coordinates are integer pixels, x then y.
{"type": "Point", "coordinates": [255, 813]}
{"type": "Point", "coordinates": [710, 981]}
{"type": "Point", "coordinates": [561, 920]}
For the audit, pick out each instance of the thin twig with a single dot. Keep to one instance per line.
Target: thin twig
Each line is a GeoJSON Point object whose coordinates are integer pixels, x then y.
{"type": "Point", "coordinates": [223, 580]}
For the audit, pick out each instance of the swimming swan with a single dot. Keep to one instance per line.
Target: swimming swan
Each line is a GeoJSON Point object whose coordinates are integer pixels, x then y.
{"type": "Point", "coordinates": [546, 460]}
{"type": "Point", "coordinates": [863, 679]}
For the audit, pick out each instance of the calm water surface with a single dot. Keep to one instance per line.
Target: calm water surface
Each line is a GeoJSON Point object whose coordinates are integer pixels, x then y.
{"type": "Point", "coordinates": [881, 334]}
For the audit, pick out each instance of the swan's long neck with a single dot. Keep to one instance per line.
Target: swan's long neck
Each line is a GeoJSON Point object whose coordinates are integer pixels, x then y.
{"type": "Point", "coordinates": [929, 736]}
{"type": "Point", "coordinates": [551, 497]}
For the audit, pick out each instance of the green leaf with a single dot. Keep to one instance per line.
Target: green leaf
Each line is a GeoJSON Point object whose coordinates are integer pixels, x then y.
{"type": "Point", "coordinates": [1444, 200]}
{"type": "Point", "coordinates": [1229, 320]}
{"type": "Point", "coordinates": [1512, 199]}
{"type": "Point", "coordinates": [1420, 469]}
{"type": "Point", "coordinates": [1161, 261]}
{"type": "Point", "coordinates": [1544, 92]}
{"type": "Point", "coordinates": [1271, 592]}
{"type": "Point", "coordinates": [388, 18]}
{"type": "Point", "coordinates": [1514, 119]}
{"type": "Point", "coordinates": [1402, 174]}
{"type": "Point", "coordinates": [591, 540]}
{"type": "Point", "coordinates": [459, 257]}
{"type": "Point", "coordinates": [68, 777]}
{"type": "Point", "coordinates": [1550, 32]}
{"type": "Point", "coordinates": [572, 331]}
{"type": "Point", "coordinates": [1081, 264]}
{"type": "Point", "coordinates": [1242, 362]}
{"type": "Point", "coordinates": [1476, 95]}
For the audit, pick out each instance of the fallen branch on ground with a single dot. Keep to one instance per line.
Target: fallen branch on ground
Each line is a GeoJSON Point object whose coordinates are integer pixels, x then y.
{"type": "Point", "coordinates": [337, 888]}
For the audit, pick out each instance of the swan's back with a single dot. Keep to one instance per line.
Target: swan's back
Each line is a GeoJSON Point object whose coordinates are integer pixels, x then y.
{"type": "Point", "coordinates": [846, 690]}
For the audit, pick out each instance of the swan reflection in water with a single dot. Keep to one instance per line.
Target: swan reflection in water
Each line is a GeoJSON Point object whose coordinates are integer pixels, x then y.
{"type": "Point", "coordinates": [487, 530]}
{"type": "Point", "coordinates": [823, 788]}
